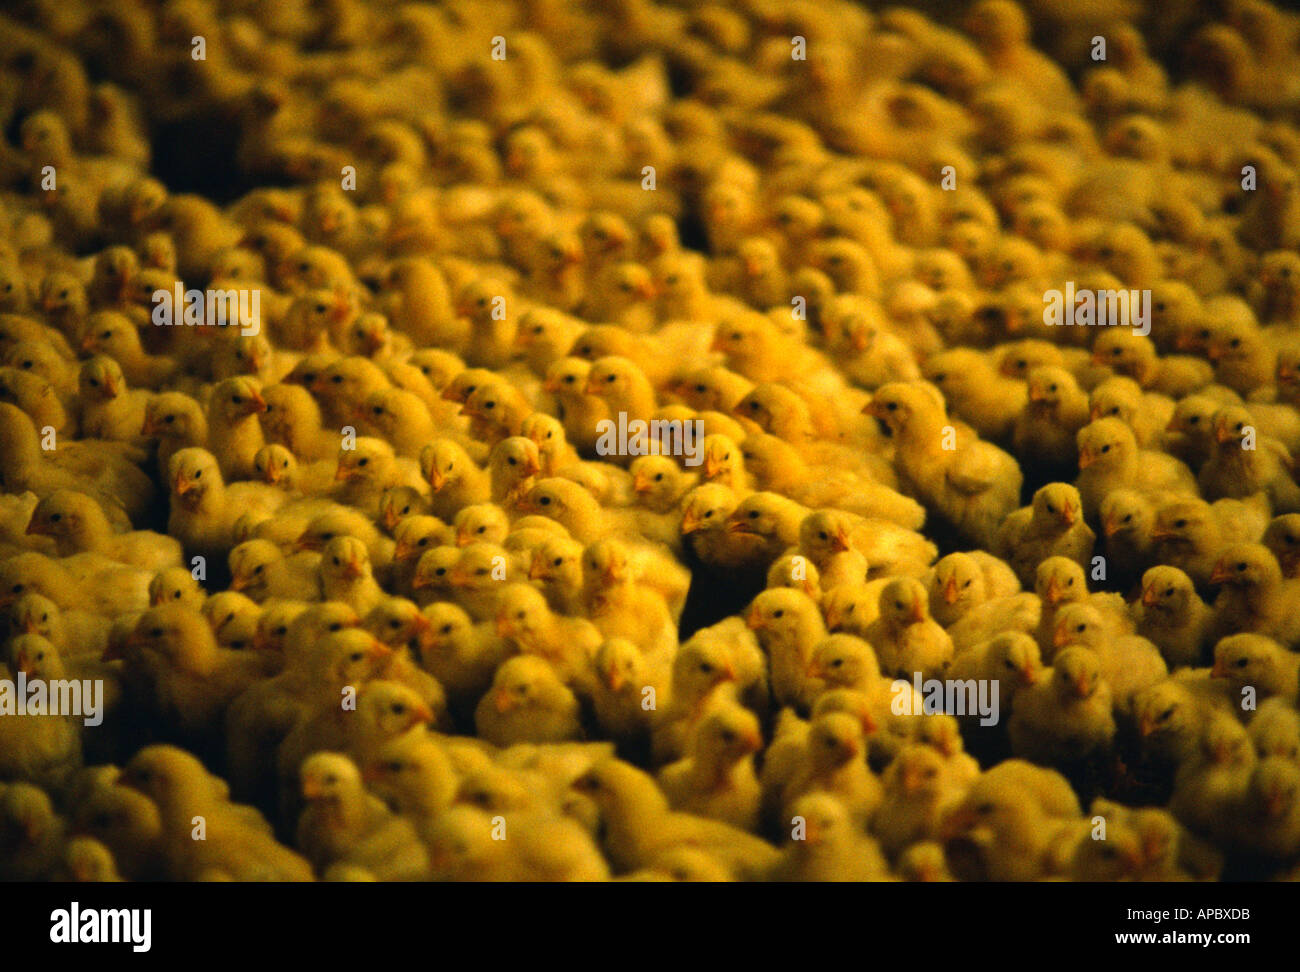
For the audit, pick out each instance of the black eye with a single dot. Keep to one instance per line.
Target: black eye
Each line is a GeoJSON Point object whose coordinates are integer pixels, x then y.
{"type": "Point", "coordinates": [336, 561]}
{"type": "Point", "coordinates": [1241, 566]}
{"type": "Point", "coordinates": [780, 613]}
{"type": "Point", "coordinates": [56, 517]}
{"type": "Point", "coordinates": [156, 633]}
{"type": "Point", "coordinates": [706, 668]}
{"type": "Point", "coordinates": [363, 462]}
{"type": "Point", "coordinates": [1105, 448]}
{"type": "Point", "coordinates": [512, 461]}
{"type": "Point", "coordinates": [545, 501]}
{"type": "Point", "coordinates": [1242, 662]}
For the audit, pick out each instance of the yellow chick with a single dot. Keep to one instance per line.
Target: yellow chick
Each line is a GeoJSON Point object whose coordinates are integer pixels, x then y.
{"type": "Point", "coordinates": [527, 703]}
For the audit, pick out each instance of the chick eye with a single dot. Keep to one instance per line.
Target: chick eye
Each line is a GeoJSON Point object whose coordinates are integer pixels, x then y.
{"type": "Point", "coordinates": [545, 501]}
{"type": "Point", "coordinates": [1105, 448]}
{"type": "Point", "coordinates": [512, 461]}
{"type": "Point", "coordinates": [779, 614]}
{"type": "Point", "coordinates": [1070, 582]}
{"type": "Point", "coordinates": [363, 462]}
{"type": "Point", "coordinates": [1180, 524]}
{"type": "Point", "coordinates": [156, 633]}
{"type": "Point", "coordinates": [1242, 662]}
{"type": "Point", "coordinates": [837, 663]}
{"type": "Point", "coordinates": [336, 561]}
{"type": "Point", "coordinates": [1241, 567]}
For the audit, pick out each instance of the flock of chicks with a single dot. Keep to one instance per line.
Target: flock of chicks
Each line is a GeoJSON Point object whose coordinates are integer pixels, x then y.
{"type": "Point", "coordinates": [437, 634]}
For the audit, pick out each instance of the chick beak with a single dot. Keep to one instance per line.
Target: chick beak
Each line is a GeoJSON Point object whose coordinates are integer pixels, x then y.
{"type": "Point", "coordinates": [1160, 533]}
{"type": "Point", "coordinates": [869, 724]}
{"type": "Point", "coordinates": [391, 517]}
{"type": "Point", "coordinates": [148, 429]}
{"type": "Point", "coordinates": [957, 824]}
{"type": "Point", "coordinates": [840, 541]}
{"type": "Point", "coordinates": [615, 681]}
{"type": "Point", "coordinates": [37, 527]}
{"type": "Point", "coordinates": [113, 651]}
{"type": "Point", "coordinates": [950, 591]}
{"type": "Point", "coordinates": [1029, 675]}
{"type": "Point", "coordinates": [860, 340]}
{"type": "Point", "coordinates": [717, 344]}
{"type": "Point", "coordinates": [378, 650]}
{"type": "Point", "coordinates": [238, 582]}
{"type": "Point", "coordinates": [911, 780]}
{"type": "Point", "coordinates": [1274, 803]}
{"type": "Point", "coordinates": [1086, 458]}
{"type": "Point", "coordinates": [1036, 394]}
{"type": "Point", "coordinates": [754, 621]}
{"type": "Point", "coordinates": [503, 701]}
{"type": "Point", "coordinates": [537, 568]}
{"type": "Point", "coordinates": [1082, 686]}
{"type": "Point", "coordinates": [1053, 592]}
{"type": "Point", "coordinates": [182, 485]}
{"type": "Point", "coordinates": [738, 526]}
{"type": "Point", "coordinates": [1221, 433]}
{"type": "Point", "coordinates": [874, 409]}
{"type": "Point", "coordinates": [690, 523]}
{"type": "Point", "coordinates": [1146, 727]}
{"type": "Point", "coordinates": [1221, 574]}
{"type": "Point", "coordinates": [832, 619]}
{"type": "Point", "coordinates": [422, 715]}
{"type": "Point", "coordinates": [917, 614]}
{"type": "Point", "coordinates": [111, 388]}
{"type": "Point", "coordinates": [1149, 597]}
{"type": "Point", "coordinates": [1214, 352]}
{"type": "Point", "coordinates": [1219, 670]}
{"type": "Point", "coordinates": [436, 479]}
{"type": "Point", "coordinates": [640, 485]}
{"type": "Point", "coordinates": [271, 474]}
{"type": "Point", "coordinates": [532, 466]}
{"type": "Point", "coordinates": [1070, 515]}
{"type": "Point", "coordinates": [729, 673]}
{"type": "Point", "coordinates": [1099, 357]}
{"type": "Point", "coordinates": [342, 473]}
{"type": "Point", "coordinates": [87, 343]}
{"type": "Point", "coordinates": [311, 789]}
{"type": "Point", "coordinates": [504, 628]}
{"type": "Point", "coordinates": [592, 387]}
{"type": "Point", "coordinates": [712, 466]}
{"type": "Point", "coordinates": [353, 569]}
{"type": "Point", "coordinates": [1061, 636]}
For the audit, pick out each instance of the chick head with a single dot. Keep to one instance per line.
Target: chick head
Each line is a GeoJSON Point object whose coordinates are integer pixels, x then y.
{"type": "Point", "coordinates": [193, 473]}
{"type": "Point", "coordinates": [957, 580]}
{"type": "Point", "coordinates": [1078, 624]}
{"type": "Point", "coordinates": [1282, 537]}
{"type": "Point", "coordinates": [234, 398]}
{"type": "Point", "coordinates": [707, 507]}
{"type": "Point", "coordinates": [35, 656]}
{"type": "Point", "coordinates": [1015, 655]}
{"type": "Point", "coordinates": [726, 735]}
{"type": "Point", "coordinates": [620, 666]}
{"type": "Point", "coordinates": [368, 461]}
{"type": "Point", "coordinates": [1230, 425]}
{"type": "Point", "coordinates": [387, 709]}
{"type": "Point", "coordinates": [36, 614]}
{"type": "Point", "coordinates": [172, 778]}
{"type": "Point", "coordinates": [1247, 565]}
{"type": "Point", "coordinates": [901, 407]}
{"type": "Point", "coordinates": [522, 612]}
{"type": "Point", "coordinates": [524, 682]}
{"type": "Point", "coordinates": [329, 779]}
{"type": "Point", "coordinates": [1107, 443]}
{"type": "Point", "coordinates": [1076, 672]}
{"type": "Point", "coordinates": [480, 523]}
{"type": "Point", "coordinates": [1249, 659]}
{"type": "Point", "coordinates": [781, 612]}
{"type": "Point", "coordinates": [844, 661]}
{"type": "Point", "coordinates": [344, 559]}
{"type": "Point", "coordinates": [1059, 580]}
{"type": "Point", "coordinates": [903, 602]}
{"type": "Point", "coordinates": [834, 739]}
{"type": "Point", "coordinates": [433, 571]}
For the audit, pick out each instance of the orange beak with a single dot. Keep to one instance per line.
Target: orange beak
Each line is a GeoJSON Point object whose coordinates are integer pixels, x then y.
{"type": "Point", "coordinates": [353, 569]}
{"type": "Point", "coordinates": [1029, 675]}
{"type": "Point", "coordinates": [503, 701]}
{"type": "Point", "coordinates": [1219, 670]}
{"type": "Point", "coordinates": [1081, 686]}
{"type": "Point", "coordinates": [1053, 592]}
{"type": "Point", "coordinates": [738, 526]}
{"type": "Point", "coordinates": [1149, 596]}
{"type": "Point", "coordinates": [1060, 637]}
{"type": "Point", "coordinates": [690, 523]}
{"type": "Point", "coordinates": [182, 485]}
{"type": "Point", "coordinates": [37, 527]}
{"type": "Point", "coordinates": [342, 473]}
{"type": "Point", "coordinates": [1221, 574]}
{"type": "Point", "coordinates": [1221, 433]}
{"type": "Point", "coordinates": [148, 429]}
{"type": "Point", "coordinates": [754, 621]}
{"type": "Point", "coordinates": [436, 479]}
{"type": "Point", "coordinates": [311, 789]}
{"type": "Point", "coordinates": [615, 681]}
{"type": "Point", "coordinates": [1036, 394]}
{"type": "Point", "coordinates": [1069, 514]}
{"type": "Point", "coordinates": [950, 591]}
{"type": "Point", "coordinates": [917, 614]}
{"type": "Point", "coordinates": [1160, 533]}
{"type": "Point", "coordinates": [840, 542]}
{"type": "Point", "coordinates": [1086, 458]}
{"type": "Point", "coordinates": [640, 484]}
{"type": "Point", "coordinates": [238, 582]}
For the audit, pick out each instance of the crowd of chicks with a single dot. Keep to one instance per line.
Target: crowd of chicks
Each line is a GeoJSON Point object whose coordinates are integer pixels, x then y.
{"type": "Point", "coordinates": [407, 622]}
